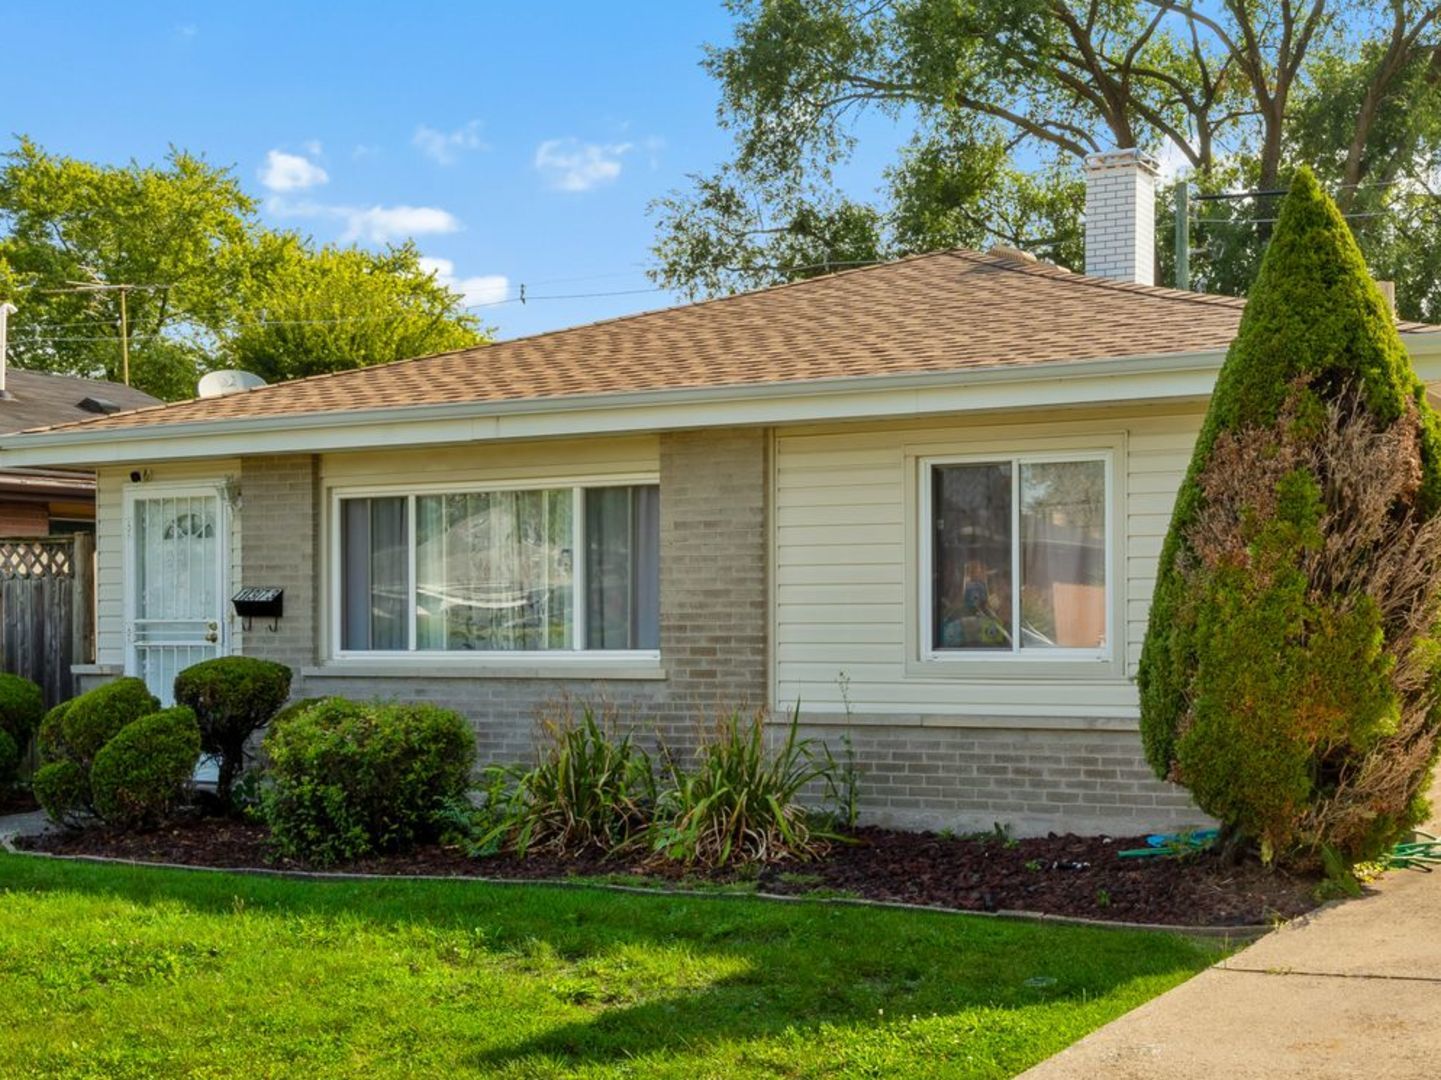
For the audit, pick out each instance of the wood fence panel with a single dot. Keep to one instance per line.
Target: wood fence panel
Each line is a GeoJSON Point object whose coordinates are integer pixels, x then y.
{"type": "Point", "coordinates": [47, 610]}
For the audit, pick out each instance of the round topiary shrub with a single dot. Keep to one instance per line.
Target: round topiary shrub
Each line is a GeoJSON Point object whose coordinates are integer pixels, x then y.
{"type": "Point", "coordinates": [22, 705]}
{"type": "Point", "coordinates": [50, 737]}
{"type": "Point", "coordinates": [143, 772]}
{"type": "Point", "coordinates": [232, 697]}
{"type": "Point", "coordinates": [94, 718]}
{"type": "Point", "coordinates": [9, 758]}
{"type": "Point", "coordinates": [1291, 675]}
{"type": "Point", "coordinates": [351, 778]}
{"type": "Point", "coordinates": [63, 790]}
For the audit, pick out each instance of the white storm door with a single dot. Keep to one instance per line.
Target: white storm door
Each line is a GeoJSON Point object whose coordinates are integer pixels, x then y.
{"type": "Point", "coordinates": [176, 583]}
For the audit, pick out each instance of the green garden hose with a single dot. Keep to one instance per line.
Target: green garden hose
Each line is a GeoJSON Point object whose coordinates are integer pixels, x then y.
{"type": "Point", "coordinates": [1418, 854]}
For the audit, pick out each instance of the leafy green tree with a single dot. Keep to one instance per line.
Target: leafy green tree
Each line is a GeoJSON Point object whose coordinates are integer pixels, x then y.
{"type": "Point", "coordinates": [212, 286]}
{"type": "Point", "coordinates": [312, 311]}
{"type": "Point", "coordinates": [1291, 674]}
{"type": "Point", "coordinates": [66, 223]}
{"type": "Point", "coordinates": [1004, 98]}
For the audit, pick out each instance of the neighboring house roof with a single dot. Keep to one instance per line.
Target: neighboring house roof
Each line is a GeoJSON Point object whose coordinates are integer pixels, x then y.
{"type": "Point", "coordinates": [36, 398]}
{"type": "Point", "coordinates": [937, 313]}
{"type": "Point", "coordinates": [39, 399]}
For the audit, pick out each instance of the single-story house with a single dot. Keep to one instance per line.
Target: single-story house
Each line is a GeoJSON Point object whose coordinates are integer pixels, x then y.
{"type": "Point", "coordinates": [921, 501]}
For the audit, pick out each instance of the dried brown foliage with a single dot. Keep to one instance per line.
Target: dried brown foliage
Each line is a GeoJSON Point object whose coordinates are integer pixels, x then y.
{"type": "Point", "coordinates": [1372, 541]}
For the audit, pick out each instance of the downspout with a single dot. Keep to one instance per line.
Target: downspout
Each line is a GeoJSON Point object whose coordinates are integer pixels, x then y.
{"type": "Point", "coordinates": [6, 310]}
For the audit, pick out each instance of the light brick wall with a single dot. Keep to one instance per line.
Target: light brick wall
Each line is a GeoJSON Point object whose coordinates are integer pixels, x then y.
{"type": "Point", "coordinates": [713, 570]}
{"type": "Point", "coordinates": [1121, 216]}
{"type": "Point", "coordinates": [1034, 781]}
{"type": "Point", "coordinates": [713, 600]}
{"type": "Point", "coordinates": [279, 518]}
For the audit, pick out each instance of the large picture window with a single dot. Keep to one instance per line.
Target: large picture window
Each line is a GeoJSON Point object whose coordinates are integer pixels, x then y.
{"type": "Point", "coordinates": [1017, 554]}
{"type": "Point", "coordinates": [498, 571]}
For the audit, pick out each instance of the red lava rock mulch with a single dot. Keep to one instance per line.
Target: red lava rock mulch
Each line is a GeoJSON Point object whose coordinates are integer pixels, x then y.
{"type": "Point", "coordinates": [1057, 875]}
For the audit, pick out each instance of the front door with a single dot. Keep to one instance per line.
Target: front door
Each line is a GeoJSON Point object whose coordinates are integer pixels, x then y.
{"type": "Point", "coordinates": [177, 583]}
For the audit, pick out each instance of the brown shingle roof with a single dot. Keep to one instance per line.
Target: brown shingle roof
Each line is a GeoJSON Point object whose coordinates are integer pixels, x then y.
{"type": "Point", "coordinates": [930, 313]}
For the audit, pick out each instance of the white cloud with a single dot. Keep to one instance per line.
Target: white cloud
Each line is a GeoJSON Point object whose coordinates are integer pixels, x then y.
{"type": "Point", "coordinates": [313, 147]}
{"type": "Point", "coordinates": [380, 224]}
{"type": "Point", "coordinates": [290, 172]}
{"type": "Point", "coordinates": [480, 289]}
{"type": "Point", "coordinates": [444, 147]}
{"type": "Point", "coordinates": [372, 224]}
{"type": "Point", "coordinates": [571, 165]}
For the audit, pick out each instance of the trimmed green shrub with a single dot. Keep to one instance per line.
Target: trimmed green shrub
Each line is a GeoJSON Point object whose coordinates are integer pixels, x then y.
{"type": "Point", "coordinates": [352, 778]}
{"type": "Point", "coordinates": [22, 705]}
{"type": "Point", "coordinates": [232, 698]}
{"type": "Point", "coordinates": [93, 719]}
{"type": "Point", "coordinates": [63, 790]}
{"type": "Point", "coordinates": [50, 738]}
{"type": "Point", "coordinates": [9, 758]}
{"type": "Point", "coordinates": [590, 789]}
{"type": "Point", "coordinates": [1291, 675]}
{"type": "Point", "coordinates": [294, 707]}
{"type": "Point", "coordinates": [143, 772]}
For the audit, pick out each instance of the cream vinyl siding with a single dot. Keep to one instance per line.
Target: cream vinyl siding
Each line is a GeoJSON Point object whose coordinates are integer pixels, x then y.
{"type": "Point", "coordinates": [846, 599]}
{"type": "Point", "coordinates": [110, 546]}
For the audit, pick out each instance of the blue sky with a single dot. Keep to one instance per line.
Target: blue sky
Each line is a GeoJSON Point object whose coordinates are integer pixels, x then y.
{"type": "Point", "coordinates": [517, 142]}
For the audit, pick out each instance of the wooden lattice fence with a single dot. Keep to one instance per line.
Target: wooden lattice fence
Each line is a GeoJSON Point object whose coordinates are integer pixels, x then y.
{"type": "Point", "coordinates": [47, 609]}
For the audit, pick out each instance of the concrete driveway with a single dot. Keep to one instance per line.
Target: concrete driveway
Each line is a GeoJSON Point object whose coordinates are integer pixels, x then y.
{"type": "Point", "coordinates": [1351, 990]}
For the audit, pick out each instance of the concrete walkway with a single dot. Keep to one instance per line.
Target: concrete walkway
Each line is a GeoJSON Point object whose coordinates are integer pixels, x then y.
{"type": "Point", "coordinates": [1352, 990]}
{"type": "Point", "coordinates": [31, 824]}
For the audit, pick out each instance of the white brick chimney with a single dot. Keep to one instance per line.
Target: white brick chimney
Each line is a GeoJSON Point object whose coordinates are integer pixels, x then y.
{"type": "Point", "coordinates": [1121, 216]}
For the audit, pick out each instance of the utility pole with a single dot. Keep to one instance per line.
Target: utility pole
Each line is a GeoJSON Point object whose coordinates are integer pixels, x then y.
{"type": "Point", "coordinates": [124, 290]}
{"type": "Point", "coordinates": [124, 336]}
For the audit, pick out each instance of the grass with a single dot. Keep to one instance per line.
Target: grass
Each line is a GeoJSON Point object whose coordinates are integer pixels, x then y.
{"type": "Point", "coordinates": [130, 972]}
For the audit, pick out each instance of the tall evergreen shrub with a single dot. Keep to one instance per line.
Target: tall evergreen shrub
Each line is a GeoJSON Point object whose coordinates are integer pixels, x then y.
{"type": "Point", "coordinates": [1291, 675]}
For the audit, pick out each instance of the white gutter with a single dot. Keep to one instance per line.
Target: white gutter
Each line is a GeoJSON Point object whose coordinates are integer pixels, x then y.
{"type": "Point", "coordinates": [997, 386]}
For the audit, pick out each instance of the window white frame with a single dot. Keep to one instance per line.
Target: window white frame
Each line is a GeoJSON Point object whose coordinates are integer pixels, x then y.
{"type": "Point", "coordinates": [925, 533]}
{"type": "Point", "coordinates": [576, 654]}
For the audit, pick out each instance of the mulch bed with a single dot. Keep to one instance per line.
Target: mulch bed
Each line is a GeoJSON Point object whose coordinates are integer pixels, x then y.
{"type": "Point", "coordinates": [1056, 875]}
{"type": "Point", "coordinates": [16, 800]}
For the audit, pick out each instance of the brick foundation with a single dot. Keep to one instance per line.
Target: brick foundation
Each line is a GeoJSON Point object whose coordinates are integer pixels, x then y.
{"type": "Point", "coordinates": [1034, 781]}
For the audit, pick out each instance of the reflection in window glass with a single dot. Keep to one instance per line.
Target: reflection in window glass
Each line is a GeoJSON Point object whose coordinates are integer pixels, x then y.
{"type": "Point", "coordinates": [496, 571]}
{"type": "Point", "coordinates": [1063, 555]}
{"type": "Point", "coordinates": [971, 508]}
{"type": "Point", "coordinates": [1046, 519]}
{"type": "Point", "coordinates": [493, 570]}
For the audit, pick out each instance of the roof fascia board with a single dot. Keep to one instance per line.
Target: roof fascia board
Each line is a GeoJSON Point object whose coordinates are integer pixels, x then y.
{"type": "Point", "coordinates": [1039, 385]}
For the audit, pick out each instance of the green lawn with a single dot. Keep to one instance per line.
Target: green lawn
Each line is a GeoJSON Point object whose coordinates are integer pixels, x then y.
{"type": "Point", "coordinates": [120, 972]}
